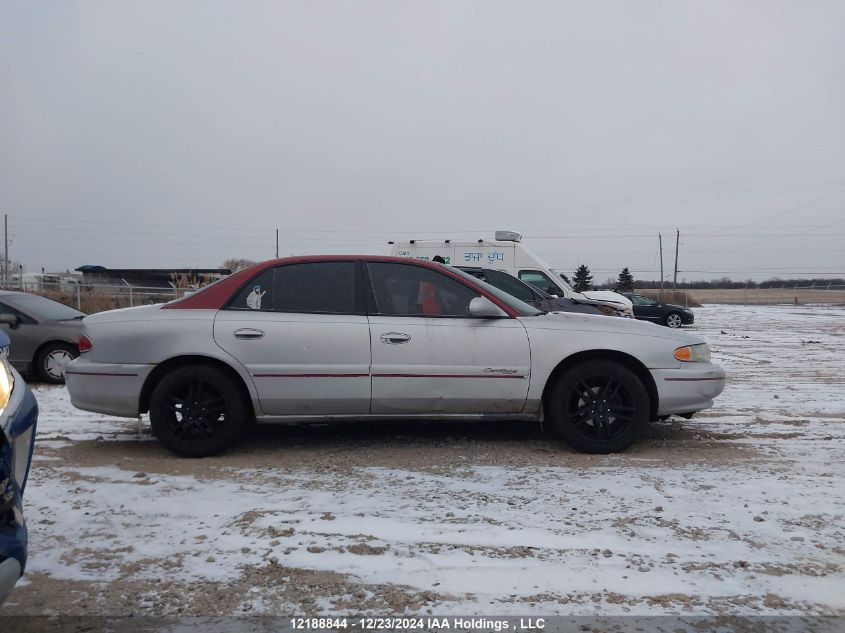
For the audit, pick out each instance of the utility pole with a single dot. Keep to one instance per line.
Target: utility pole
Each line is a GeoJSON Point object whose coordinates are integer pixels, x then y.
{"type": "Point", "coordinates": [277, 243]}
{"type": "Point", "coordinates": [6, 248]}
{"type": "Point", "coordinates": [677, 241]}
{"type": "Point", "coordinates": [660, 241]}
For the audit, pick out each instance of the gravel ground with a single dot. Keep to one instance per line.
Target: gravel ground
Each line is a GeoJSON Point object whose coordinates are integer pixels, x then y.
{"type": "Point", "coordinates": [737, 511]}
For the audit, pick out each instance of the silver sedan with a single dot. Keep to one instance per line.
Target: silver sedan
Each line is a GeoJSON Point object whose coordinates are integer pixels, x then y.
{"type": "Point", "coordinates": [44, 334]}
{"type": "Point", "coordinates": [343, 338]}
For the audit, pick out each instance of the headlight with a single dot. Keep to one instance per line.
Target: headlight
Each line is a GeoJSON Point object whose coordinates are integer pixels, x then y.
{"type": "Point", "coordinates": [7, 382]}
{"type": "Point", "coordinates": [694, 353]}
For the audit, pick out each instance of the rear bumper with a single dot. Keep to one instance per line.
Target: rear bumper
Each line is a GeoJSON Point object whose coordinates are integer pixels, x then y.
{"type": "Point", "coordinates": [689, 388]}
{"type": "Point", "coordinates": [18, 423]}
{"type": "Point", "coordinates": [110, 388]}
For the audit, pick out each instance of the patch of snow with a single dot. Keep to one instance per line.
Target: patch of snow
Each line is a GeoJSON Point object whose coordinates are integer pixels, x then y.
{"type": "Point", "coordinates": [492, 535]}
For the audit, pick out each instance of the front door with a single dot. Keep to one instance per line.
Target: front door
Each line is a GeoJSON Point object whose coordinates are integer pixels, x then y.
{"type": "Point", "coordinates": [430, 356]}
{"type": "Point", "coordinates": [302, 333]}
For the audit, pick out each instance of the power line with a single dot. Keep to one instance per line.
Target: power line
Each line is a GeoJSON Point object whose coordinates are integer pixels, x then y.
{"type": "Point", "coordinates": [797, 207]}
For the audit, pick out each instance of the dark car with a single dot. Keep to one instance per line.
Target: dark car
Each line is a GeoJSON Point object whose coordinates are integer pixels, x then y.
{"type": "Point", "coordinates": [44, 334]}
{"type": "Point", "coordinates": [529, 294]}
{"type": "Point", "coordinates": [666, 314]}
{"type": "Point", "coordinates": [18, 414]}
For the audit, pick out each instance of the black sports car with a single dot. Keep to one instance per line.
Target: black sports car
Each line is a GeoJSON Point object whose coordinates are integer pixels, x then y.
{"type": "Point", "coordinates": [666, 314]}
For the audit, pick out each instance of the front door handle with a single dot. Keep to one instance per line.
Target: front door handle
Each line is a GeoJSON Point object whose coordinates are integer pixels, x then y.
{"type": "Point", "coordinates": [248, 334]}
{"type": "Point", "coordinates": [394, 338]}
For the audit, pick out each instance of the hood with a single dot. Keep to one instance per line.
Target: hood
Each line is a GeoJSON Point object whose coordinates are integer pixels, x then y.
{"type": "Point", "coordinates": [598, 324]}
{"type": "Point", "coordinates": [609, 296]}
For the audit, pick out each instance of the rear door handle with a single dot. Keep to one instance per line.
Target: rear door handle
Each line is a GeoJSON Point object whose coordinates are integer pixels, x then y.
{"type": "Point", "coordinates": [248, 334]}
{"type": "Point", "coordinates": [394, 338]}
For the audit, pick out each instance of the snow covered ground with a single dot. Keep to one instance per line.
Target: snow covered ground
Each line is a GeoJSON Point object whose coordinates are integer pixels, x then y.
{"type": "Point", "coordinates": [737, 511]}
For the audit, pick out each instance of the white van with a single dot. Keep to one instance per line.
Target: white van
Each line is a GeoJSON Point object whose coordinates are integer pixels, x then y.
{"type": "Point", "coordinates": [505, 252]}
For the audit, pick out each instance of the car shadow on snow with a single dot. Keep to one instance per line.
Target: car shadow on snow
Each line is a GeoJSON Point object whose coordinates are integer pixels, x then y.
{"type": "Point", "coordinates": [413, 445]}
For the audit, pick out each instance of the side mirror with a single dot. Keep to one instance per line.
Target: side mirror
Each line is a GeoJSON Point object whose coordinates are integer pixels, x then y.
{"type": "Point", "coordinates": [552, 290]}
{"type": "Point", "coordinates": [9, 319]}
{"type": "Point", "coordinates": [483, 308]}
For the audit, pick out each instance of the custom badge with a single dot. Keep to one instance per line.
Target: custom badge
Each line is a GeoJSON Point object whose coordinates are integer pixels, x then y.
{"type": "Point", "coordinates": [253, 299]}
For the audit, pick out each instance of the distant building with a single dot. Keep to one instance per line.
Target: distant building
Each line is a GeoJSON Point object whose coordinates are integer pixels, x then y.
{"type": "Point", "coordinates": [42, 282]}
{"type": "Point", "coordinates": [150, 277]}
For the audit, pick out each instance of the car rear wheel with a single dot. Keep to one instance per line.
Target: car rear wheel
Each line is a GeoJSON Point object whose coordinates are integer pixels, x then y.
{"type": "Point", "coordinates": [598, 406]}
{"type": "Point", "coordinates": [197, 411]}
{"type": "Point", "coordinates": [674, 320]}
{"type": "Point", "coordinates": [52, 360]}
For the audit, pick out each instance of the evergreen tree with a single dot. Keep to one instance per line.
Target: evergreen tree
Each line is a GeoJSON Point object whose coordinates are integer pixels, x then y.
{"type": "Point", "coordinates": [583, 279]}
{"type": "Point", "coordinates": [625, 282]}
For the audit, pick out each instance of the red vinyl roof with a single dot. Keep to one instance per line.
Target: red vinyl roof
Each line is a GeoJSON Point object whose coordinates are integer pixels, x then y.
{"type": "Point", "coordinates": [215, 296]}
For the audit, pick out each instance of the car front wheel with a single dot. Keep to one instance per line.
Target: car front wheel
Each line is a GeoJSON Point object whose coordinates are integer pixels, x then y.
{"type": "Point", "coordinates": [52, 361]}
{"type": "Point", "coordinates": [598, 406]}
{"type": "Point", "coordinates": [197, 411]}
{"type": "Point", "coordinates": [674, 320]}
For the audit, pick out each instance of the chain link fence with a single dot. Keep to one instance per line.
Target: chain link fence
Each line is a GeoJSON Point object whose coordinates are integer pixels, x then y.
{"type": "Point", "coordinates": [92, 298]}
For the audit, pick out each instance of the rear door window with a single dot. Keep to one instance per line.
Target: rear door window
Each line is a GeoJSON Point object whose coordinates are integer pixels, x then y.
{"type": "Point", "coordinates": [311, 287]}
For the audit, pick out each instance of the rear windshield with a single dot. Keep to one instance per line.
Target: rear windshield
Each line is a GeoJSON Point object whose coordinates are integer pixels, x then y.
{"type": "Point", "coordinates": [522, 308]}
{"type": "Point", "coordinates": [43, 308]}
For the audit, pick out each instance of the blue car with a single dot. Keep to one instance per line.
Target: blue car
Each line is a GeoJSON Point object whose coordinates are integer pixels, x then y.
{"type": "Point", "coordinates": [18, 414]}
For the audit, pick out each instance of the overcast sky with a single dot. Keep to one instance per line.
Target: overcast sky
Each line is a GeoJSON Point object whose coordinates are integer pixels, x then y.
{"type": "Point", "coordinates": [159, 134]}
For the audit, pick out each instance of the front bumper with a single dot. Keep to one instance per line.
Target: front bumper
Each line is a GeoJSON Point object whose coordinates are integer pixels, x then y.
{"type": "Point", "coordinates": [18, 423]}
{"type": "Point", "coordinates": [689, 388]}
{"type": "Point", "coordinates": [110, 388]}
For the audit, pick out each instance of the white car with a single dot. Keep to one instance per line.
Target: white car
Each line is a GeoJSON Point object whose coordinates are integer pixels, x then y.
{"type": "Point", "coordinates": [356, 337]}
{"type": "Point", "coordinates": [507, 253]}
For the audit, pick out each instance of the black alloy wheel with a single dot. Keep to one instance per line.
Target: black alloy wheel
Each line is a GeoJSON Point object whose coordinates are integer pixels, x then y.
{"type": "Point", "coordinates": [599, 407]}
{"type": "Point", "coordinates": [197, 411]}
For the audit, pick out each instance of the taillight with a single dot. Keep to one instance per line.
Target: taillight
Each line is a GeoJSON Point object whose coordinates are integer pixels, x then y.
{"type": "Point", "coordinates": [84, 344]}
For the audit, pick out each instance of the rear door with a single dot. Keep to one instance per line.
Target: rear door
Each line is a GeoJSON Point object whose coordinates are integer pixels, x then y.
{"type": "Point", "coordinates": [430, 356]}
{"type": "Point", "coordinates": [301, 331]}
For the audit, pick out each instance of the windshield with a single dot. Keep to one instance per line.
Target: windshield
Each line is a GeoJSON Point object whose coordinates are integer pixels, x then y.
{"type": "Point", "coordinates": [522, 308]}
{"type": "Point", "coordinates": [43, 308]}
{"type": "Point", "coordinates": [559, 275]}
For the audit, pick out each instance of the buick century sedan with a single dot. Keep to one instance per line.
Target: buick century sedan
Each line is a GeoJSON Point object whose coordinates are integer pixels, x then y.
{"type": "Point", "coordinates": [321, 338]}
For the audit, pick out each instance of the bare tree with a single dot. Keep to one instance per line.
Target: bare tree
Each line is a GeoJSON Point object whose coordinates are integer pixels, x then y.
{"type": "Point", "coordinates": [237, 263]}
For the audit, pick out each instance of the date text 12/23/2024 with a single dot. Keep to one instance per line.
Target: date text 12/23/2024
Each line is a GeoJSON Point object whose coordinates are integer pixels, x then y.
{"type": "Point", "coordinates": [417, 624]}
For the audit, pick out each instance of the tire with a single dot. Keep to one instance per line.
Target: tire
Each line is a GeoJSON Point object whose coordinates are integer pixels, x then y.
{"type": "Point", "coordinates": [51, 361]}
{"type": "Point", "coordinates": [197, 411]}
{"type": "Point", "coordinates": [673, 320]}
{"type": "Point", "coordinates": [582, 418]}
